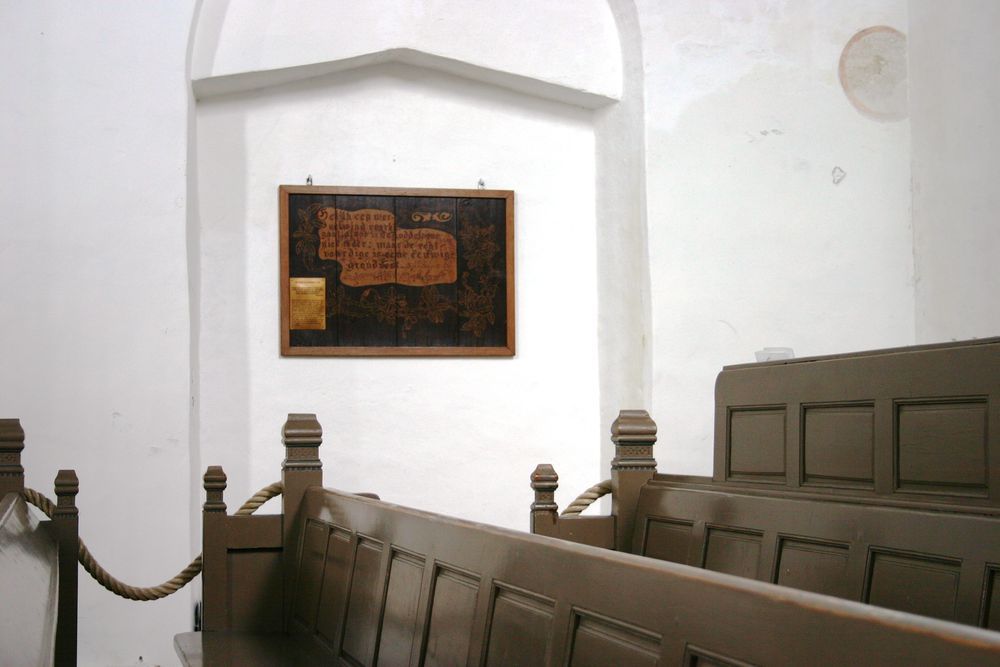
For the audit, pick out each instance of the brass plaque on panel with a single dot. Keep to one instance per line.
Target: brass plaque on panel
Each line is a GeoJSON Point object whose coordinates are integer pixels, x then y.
{"type": "Point", "coordinates": [307, 303]}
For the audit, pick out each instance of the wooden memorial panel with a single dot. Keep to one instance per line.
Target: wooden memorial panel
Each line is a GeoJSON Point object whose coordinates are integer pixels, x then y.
{"type": "Point", "coordinates": [400, 272]}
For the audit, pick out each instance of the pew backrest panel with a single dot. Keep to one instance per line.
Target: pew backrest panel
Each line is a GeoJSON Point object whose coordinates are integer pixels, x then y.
{"type": "Point", "coordinates": [381, 584]}
{"type": "Point", "coordinates": [29, 570]}
{"type": "Point", "coordinates": [940, 564]}
{"type": "Point", "coordinates": [919, 423]}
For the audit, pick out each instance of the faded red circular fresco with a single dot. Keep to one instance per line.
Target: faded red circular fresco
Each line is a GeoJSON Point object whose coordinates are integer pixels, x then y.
{"type": "Point", "coordinates": [873, 73]}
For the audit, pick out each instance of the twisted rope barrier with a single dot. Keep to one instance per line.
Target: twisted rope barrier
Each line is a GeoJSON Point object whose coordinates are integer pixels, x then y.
{"type": "Point", "coordinates": [172, 585]}
{"type": "Point", "coordinates": [587, 498]}
{"type": "Point", "coordinates": [184, 577]}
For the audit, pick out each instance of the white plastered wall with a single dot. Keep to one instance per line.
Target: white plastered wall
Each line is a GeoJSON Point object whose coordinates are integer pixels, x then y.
{"type": "Point", "coordinates": [954, 98]}
{"type": "Point", "coordinates": [93, 291]}
{"type": "Point", "coordinates": [571, 46]}
{"type": "Point", "coordinates": [752, 244]}
{"type": "Point", "coordinates": [413, 95]}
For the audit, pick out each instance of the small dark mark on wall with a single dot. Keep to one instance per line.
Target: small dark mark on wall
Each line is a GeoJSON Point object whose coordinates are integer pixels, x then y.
{"type": "Point", "coordinates": [731, 327]}
{"type": "Point", "coordinates": [838, 175]}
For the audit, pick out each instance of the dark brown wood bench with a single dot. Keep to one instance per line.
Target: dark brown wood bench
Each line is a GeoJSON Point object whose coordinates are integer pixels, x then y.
{"type": "Point", "coordinates": [38, 571]}
{"type": "Point", "coordinates": [339, 578]}
{"type": "Point", "coordinates": [345, 579]}
{"type": "Point", "coordinates": [872, 477]}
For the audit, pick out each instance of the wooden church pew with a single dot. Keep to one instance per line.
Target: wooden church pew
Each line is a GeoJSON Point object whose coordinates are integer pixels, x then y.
{"type": "Point", "coordinates": [340, 578]}
{"type": "Point", "coordinates": [870, 477]}
{"type": "Point", "coordinates": [343, 579]}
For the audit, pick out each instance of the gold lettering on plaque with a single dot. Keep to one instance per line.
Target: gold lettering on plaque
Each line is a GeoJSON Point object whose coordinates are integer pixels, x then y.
{"type": "Point", "coordinates": [373, 251]}
{"type": "Point", "coordinates": [307, 303]}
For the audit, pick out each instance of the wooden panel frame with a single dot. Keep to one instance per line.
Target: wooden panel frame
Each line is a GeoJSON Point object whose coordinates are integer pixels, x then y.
{"type": "Point", "coordinates": [505, 349]}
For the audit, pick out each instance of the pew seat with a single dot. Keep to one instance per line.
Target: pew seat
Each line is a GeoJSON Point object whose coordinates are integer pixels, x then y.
{"type": "Point", "coordinates": [260, 649]}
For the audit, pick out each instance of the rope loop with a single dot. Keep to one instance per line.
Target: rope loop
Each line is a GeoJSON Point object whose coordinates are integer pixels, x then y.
{"type": "Point", "coordinates": [173, 584]}
{"type": "Point", "coordinates": [587, 498]}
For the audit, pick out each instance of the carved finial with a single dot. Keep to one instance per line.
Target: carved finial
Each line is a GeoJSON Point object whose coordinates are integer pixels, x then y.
{"type": "Point", "coordinates": [67, 486]}
{"type": "Point", "coordinates": [215, 485]}
{"type": "Point", "coordinates": [302, 436]}
{"type": "Point", "coordinates": [11, 444]}
{"type": "Point", "coordinates": [634, 434]}
{"type": "Point", "coordinates": [544, 481]}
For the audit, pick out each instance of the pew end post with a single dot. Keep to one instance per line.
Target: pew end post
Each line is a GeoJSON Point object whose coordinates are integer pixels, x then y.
{"type": "Point", "coordinates": [633, 434]}
{"type": "Point", "coordinates": [214, 600]}
{"type": "Point", "coordinates": [302, 436]}
{"type": "Point", "coordinates": [11, 445]}
{"type": "Point", "coordinates": [66, 522]}
{"type": "Point", "coordinates": [544, 510]}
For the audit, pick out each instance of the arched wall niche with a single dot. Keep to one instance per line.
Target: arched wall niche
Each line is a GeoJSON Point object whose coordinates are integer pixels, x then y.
{"type": "Point", "coordinates": [532, 98]}
{"type": "Point", "coordinates": [566, 50]}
